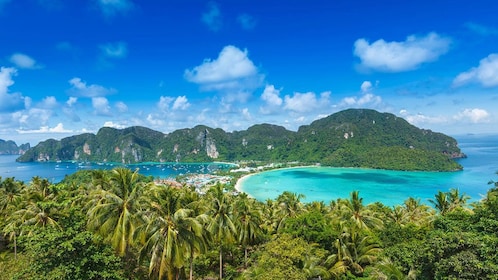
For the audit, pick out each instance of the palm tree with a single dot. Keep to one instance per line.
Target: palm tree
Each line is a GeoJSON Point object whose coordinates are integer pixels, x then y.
{"type": "Point", "coordinates": [171, 233]}
{"type": "Point", "coordinates": [248, 222]}
{"type": "Point", "coordinates": [113, 212]}
{"type": "Point", "coordinates": [354, 249]}
{"type": "Point", "coordinates": [221, 226]}
{"type": "Point", "coordinates": [457, 200]}
{"type": "Point", "coordinates": [354, 211]}
{"type": "Point", "coordinates": [441, 202]}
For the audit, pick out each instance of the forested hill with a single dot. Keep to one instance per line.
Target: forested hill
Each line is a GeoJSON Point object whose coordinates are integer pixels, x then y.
{"type": "Point", "coordinates": [350, 138]}
{"type": "Point", "coordinates": [9, 147]}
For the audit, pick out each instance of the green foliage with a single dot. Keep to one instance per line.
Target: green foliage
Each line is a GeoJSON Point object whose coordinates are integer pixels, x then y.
{"type": "Point", "coordinates": [69, 254]}
{"type": "Point", "coordinates": [351, 138]}
{"type": "Point", "coordinates": [47, 232]}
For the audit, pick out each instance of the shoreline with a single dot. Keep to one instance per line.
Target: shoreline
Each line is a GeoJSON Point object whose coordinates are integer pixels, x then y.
{"type": "Point", "coordinates": [240, 181]}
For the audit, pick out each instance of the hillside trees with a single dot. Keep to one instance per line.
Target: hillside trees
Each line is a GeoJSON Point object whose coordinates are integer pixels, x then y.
{"type": "Point", "coordinates": [182, 234]}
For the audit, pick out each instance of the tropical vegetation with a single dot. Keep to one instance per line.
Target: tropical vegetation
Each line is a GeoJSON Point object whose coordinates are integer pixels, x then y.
{"type": "Point", "coordinates": [118, 224]}
{"type": "Point", "coordinates": [350, 138]}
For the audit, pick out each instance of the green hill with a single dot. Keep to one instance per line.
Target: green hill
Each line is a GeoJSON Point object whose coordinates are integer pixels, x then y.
{"type": "Point", "coordinates": [350, 138]}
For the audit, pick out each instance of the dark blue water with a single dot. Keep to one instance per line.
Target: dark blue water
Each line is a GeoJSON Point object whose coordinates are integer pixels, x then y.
{"type": "Point", "coordinates": [388, 187]}
{"type": "Point", "coordinates": [56, 171]}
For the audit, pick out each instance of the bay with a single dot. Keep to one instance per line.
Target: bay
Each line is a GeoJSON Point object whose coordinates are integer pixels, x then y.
{"type": "Point", "coordinates": [386, 186]}
{"type": "Point", "coordinates": [56, 171]}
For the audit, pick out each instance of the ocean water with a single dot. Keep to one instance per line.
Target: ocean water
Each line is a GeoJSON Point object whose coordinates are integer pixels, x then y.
{"type": "Point", "coordinates": [316, 183]}
{"type": "Point", "coordinates": [389, 187]}
{"type": "Point", "coordinates": [56, 171]}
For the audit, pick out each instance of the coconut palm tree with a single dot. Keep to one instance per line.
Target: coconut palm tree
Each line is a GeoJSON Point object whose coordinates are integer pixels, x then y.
{"type": "Point", "coordinates": [171, 234]}
{"type": "Point", "coordinates": [221, 226]}
{"type": "Point", "coordinates": [248, 218]}
{"type": "Point", "coordinates": [113, 213]}
{"type": "Point", "coordinates": [353, 211]}
{"type": "Point", "coordinates": [353, 250]}
{"type": "Point", "coordinates": [441, 202]}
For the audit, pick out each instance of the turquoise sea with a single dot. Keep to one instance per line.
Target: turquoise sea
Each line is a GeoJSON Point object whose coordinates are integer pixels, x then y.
{"type": "Point", "coordinates": [389, 187]}
{"type": "Point", "coordinates": [316, 183]}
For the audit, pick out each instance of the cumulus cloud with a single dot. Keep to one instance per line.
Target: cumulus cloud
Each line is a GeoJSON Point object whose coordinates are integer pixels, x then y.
{"type": "Point", "coordinates": [49, 102]}
{"type": "Point", "coordinates": [59, 128]}
{"type": "Point", "coordinates": [71, 101]}
{"type": "Point", "coordinates": [272, 99]}
{"type": "Point", "coordinates": [181, 103]}
{"type": "Point", "coordinates": [121, 107]}
{"type": "Point", "coordinates": [114, 125]}
{"type": "Point", "coordinates": [366, 99]}
{"type": "Point", "coordinates": [81, 89]}
{"type": "Point", "coordinates": [231, 71]}
{"type": "Point", "coordinates": [24, 61]}
{"type": "Point", "coordinates": [114, 7]}
{"type": "Point", "coordinates": [246, 21]}
{"type": "Point", "coordinates": [212, 17]}
{"type": "Point", "coordinates": [10, 102]}
{"type": "Point", "coordinates": [168, 103]}
{"type": "Point", "coordinates": [114, 50]}
{"type": "Point", "coordinates": [101, 106]}
{"type": "Point", "coordinates": [421, 119]}
{"type": "Point", "coordinates": [400, 56]}
{"type": "Point", "coordinates": [485, 74]}
{"type": "Point", "coordinates": [474, 115]}
{"type": "Point", "coordinates": [306, 102]}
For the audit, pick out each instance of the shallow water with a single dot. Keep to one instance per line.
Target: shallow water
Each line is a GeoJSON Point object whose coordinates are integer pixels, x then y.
{"type": "Point", "coordinates": [386, 186]}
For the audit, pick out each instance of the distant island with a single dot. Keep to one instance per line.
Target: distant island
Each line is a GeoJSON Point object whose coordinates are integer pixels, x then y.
{"type": "Point", "coordinates": [9, 147]}
{"type": "Point", "coordinates": [350, 138]}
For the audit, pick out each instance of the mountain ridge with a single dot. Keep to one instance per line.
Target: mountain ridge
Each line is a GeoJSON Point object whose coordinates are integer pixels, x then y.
{"type": "Point", "coordinates": [349, 138]}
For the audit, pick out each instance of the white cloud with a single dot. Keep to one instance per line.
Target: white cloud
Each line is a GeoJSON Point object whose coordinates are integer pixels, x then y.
{"type": "Point", "coordinates": [271, 96]}
{"type": "Point", "coordinates": [81, 89]}
{"type": "Point", "coordinates": [474, 115]}
{"type": "Point", "coordinates": [59, 128]}
{"type": "Point", "coordinates": [6, 81]}
{"type": "Point", "coordinates": [246, 21]}
{"type": "Point", "coordinates": [400, 56]}
{"type": "Point", "coordinates": [246, 114]}
{"type": "Point", "coordinates": [231, 71]}
{"type": "Point", "coordinates": [49, 102]}
{"type": "Point", "coordinates": [212, 17]}
{"type": "Point", "coordinates": [23, 61]}
{"type": "Point", "coordinates": [101, 106]}
{"type": "Point", "coordinates": [181, 103]}
{"type": "Point", "coordinates": [366, 99]}
{"type": "Point", "coordinates": [164, 102]}
{"type": "Point", "coordinates": [10, 102]}
{"type": "Point", "coordinates": [366, 86]}
{"type": "Point", "coordinates": [114, 125]}
{"type": "Point", "coordinates": [306, 102]}
{"type": "Point", "coordinates": [272, 99]}
{"type": "Point", "coordinates": [421, 119]}
{"type": "Point", "coordinates": [114, 7]}
{"type": "Point", "coordinates": [121, 107]}
{"type": "Point", "coordinates": [486, 73]}
{"type": "Point", "coordinates": [114, 50]}
{"type": "Point", "coordinates": [71, 101]}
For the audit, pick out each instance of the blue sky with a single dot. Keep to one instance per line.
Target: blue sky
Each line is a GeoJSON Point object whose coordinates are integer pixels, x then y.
{"type": "Point", "coordinates": [69, 67]}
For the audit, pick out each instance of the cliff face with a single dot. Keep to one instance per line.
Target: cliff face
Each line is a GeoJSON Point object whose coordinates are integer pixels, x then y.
{"type": "Point", "coordinates": [356, 137]}
{"type": "Point", "coordinates": [10, 148]}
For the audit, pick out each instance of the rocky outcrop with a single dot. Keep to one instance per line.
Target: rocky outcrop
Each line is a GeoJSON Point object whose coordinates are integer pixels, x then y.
{"type": "Point", "coordinates": [10, 147]}
{"type": "Point", "coordinates": [353, 138]}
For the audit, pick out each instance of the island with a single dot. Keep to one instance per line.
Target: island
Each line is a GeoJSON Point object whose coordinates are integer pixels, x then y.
{"type": "Point", "coordinates": [351, 138]}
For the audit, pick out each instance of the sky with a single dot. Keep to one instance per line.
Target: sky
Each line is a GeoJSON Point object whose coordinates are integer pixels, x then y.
{"type": "Point", "coordinates": [72, 67]}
